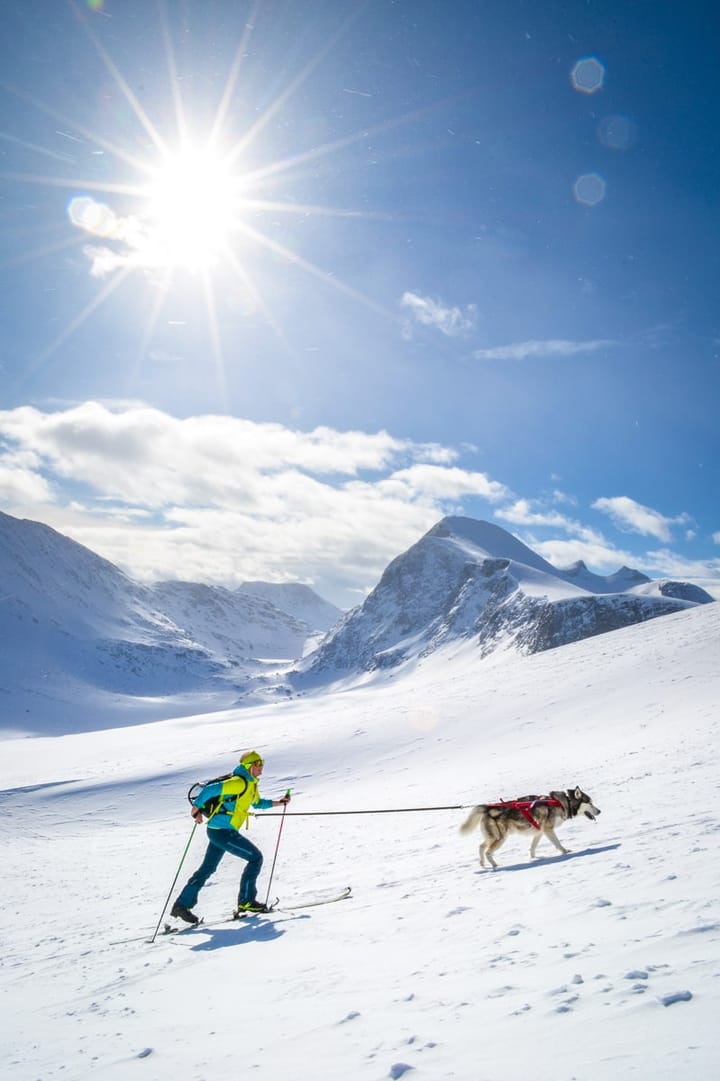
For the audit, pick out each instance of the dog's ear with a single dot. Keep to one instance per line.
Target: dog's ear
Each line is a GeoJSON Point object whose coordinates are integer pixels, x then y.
{"type": "Point", "coordinates": [578, 792]}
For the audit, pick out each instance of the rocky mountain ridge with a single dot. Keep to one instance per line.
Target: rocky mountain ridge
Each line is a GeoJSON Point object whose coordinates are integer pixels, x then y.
{"type": "Point", "coordinates": [467, 581]}
{"type": "Point", "coordinates": [82, 639]}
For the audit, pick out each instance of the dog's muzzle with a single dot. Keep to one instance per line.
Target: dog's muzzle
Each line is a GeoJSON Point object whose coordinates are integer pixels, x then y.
{"type": "Point", "coordinates": [592, 816]}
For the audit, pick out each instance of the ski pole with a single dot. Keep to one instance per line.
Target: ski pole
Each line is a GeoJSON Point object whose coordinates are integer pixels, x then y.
{"type": "Point", "coordinates": [277, 845]}
{"type": "Point", "coordinates": [182, 860]}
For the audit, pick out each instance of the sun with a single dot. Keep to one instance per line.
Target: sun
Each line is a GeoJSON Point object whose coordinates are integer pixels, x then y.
{"type": "Point", "coordinates": [192, 204]}
{"type": "Point", "coordinates": [196, 200]}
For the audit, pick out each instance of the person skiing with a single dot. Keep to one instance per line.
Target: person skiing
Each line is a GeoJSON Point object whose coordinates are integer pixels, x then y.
{"type": "Point", "coordinates": [231, 801]}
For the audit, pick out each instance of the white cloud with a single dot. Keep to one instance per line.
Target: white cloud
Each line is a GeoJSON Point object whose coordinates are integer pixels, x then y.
{"type": "Point", "coordinates": [554, 347]}
{"type": "Point", "coordinates": [563, 497]}
{"type": "Point", "coordinates": [522, 512]}
{"type": "Point", "coordinates": [217, 498]}
{"type": "Point", "coordinates": [601, 555]}
{"type": "Point", "coordinates": [142, 455]}
{"type": "Point", "coordinates": [716, 538]}
{"type": "Point", "coordinates": [432, 482]}
{"type": "Point", "coordinates": [104, 261]}
{"type": "Point", "coordinates": [591, 548]}
{"type": "Point", "coordinates": [632, 516]}
{"type": "Point", "coordinates": [583, 542]}
{"type": "Point", "coordinates": [19, 484]}
{"type": "Point", "coordinates": [97, 219]}
{"type": "Point", "coordinates": [222, 499]}
{"type": "Point", "coordinates": [451, 321]}
{"type": "Point", "coordinates": [669, 564]}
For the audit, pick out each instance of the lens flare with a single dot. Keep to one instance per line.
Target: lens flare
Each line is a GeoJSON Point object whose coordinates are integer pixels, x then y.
{"type": "Point", "coordinates": [588, 75]}
{"type": "Point", "coordinates": [589, 189]}
{"type": "Point", "coordinates": [96, 218]}
{"type": "Point", "coordinates": [616, 132]}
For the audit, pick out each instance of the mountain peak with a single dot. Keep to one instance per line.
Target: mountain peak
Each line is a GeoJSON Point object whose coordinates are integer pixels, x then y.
{"type": "Point", "coordinates": [472, 581]}
{"type": "Point", "coordinates": [576, 568]}
{"type": "Point", "coordinates": [491, 540]}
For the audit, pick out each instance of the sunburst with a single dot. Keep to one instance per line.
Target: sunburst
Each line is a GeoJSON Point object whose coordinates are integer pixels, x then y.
{"type": "Point", "coordinates": [192, 205]}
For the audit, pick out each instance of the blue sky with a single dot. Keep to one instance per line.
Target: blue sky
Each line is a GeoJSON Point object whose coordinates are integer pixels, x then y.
{"type": "Point", "coordinates": [283, 284]}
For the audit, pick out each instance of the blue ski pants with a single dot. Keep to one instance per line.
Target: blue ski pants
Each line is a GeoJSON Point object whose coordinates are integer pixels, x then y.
{"type": "Point", "coordinates": [222, 841]}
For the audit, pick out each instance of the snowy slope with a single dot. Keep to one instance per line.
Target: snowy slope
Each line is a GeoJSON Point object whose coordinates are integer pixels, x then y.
{"type": "Point", "coordinates": [234, 625]}
{"type": "Point", "coordinates": [46, 576]}
{"type": "Point", "coordinates": [79, 636]}
{"type": "Point", "coordinates": [298, 600]}
{"type": "Point", "coordinates": [469, 580]}
{"type": "Point", "coordinates": [603, 964]}
{"type": "Point", "coordinates": [80, 639]}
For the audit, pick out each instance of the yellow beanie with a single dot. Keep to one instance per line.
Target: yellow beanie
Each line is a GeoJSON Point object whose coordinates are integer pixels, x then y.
{"type": "Point", "coordinates": [250, 758]}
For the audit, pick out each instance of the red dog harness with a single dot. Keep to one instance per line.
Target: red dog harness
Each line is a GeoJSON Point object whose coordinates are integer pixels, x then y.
{"type": "Point", "coordinates": [526, 806]}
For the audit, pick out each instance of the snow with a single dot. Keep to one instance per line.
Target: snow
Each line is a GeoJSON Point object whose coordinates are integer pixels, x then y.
{"type": "Point", "coordinates": [82, 640]}
{"type": "Point", "coordinates": [603, 964]}
{"type": "Point", "coordinates": [84, 646]}
{"type": "Point", "coordinates": [297, 600]}
{"type": "Point", "coordinates": [471, 579]}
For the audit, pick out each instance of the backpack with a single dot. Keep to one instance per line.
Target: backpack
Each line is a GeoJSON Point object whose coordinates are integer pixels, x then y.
{"type": "Point", "coordinates": [208, 805]}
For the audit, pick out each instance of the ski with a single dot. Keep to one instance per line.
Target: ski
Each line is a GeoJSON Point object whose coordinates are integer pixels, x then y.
{"type": "Point", "coordinates": [236, 917]}
{"type": "Point", "coordinates": [290, 906]}
{"type": "Point", "coordinates": [183, 929]}
{"type": "Point", "coordinates": [168, 928]}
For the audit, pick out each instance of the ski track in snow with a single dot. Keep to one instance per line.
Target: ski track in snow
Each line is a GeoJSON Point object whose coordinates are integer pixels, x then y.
{"type": "Point", "coordinates": [602, 964]}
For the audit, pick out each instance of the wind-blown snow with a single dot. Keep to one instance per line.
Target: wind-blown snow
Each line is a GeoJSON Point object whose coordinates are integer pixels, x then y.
{"type": "Point", "coordinates": [602, 965]}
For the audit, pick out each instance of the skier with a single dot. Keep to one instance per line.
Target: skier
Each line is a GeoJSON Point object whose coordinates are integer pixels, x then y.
{"type": "Point", "coordinates": [233, 799]}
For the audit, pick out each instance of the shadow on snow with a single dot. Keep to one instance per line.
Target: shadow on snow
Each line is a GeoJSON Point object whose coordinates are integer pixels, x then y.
{"type": "Point", "coordinates": [252, 930]}
{"type": "Point", "coordinates": [544, 861]}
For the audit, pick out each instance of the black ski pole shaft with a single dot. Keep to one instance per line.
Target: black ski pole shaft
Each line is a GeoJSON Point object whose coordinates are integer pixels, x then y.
{"type": "Point", "coordinates": [167, 899]}
{"type": "Point", "coordinates": [277, 846]}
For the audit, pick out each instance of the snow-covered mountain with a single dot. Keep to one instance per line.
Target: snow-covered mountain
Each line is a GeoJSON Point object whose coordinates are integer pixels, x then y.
{"type": "Point", "coordinates": [471, 581]}
{"type": "Point", "coordinates": [231, 624]}
{"type": "Point", "coordinates": [80, 638]}
{"type": "Point", "coordinates": [298, 600]}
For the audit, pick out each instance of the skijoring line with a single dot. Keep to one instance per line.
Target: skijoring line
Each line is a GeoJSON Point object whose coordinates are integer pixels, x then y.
{"type": "Point", "coordinates": [374, 811]}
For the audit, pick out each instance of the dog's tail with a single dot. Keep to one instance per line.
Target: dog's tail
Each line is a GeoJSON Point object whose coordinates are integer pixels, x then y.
{"type": "Point", "coordinates": [473, 819]}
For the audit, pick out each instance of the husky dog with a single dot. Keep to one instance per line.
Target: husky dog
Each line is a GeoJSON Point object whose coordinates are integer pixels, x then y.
{"type": "Point", "coordinates": [541, 814]}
